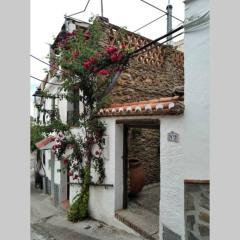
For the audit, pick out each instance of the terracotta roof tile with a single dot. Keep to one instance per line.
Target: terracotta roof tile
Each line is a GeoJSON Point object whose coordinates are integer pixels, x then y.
{"type": "Point", "coordinates": [166, 105]}
{"type": "Point", "coordinates": [44, 142]}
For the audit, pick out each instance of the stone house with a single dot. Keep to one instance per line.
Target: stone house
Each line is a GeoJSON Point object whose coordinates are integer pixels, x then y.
{"type": "Point", "coordinates": [145, 97]}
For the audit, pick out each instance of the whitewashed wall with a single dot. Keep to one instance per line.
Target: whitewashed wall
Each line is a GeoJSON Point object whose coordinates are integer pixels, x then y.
{"type": "Point", "coordinates": [48, 163]}
{"type": "Point", "coordinates": [171, 176]}
{"type": "Point", "coordinates": [197, 84]}
{"type": "Point", "coordinates": [101, 202]}
{"type": "Point", "coordinates": [190, 158]}
{"type": "Point", "coordinates": [57, 174]}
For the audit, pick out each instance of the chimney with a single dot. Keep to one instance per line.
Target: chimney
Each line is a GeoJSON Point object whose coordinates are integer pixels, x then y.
{"type": "Point", "coordinates": [169, 21]}
{"type": "Point", "coordinates": [103, 19]}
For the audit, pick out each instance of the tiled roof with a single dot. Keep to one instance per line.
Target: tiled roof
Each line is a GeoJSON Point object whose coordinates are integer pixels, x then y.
{"type": "Point", "coordinates": [166, 105]}
{"type": "Point", "coordinates": [44, 142]}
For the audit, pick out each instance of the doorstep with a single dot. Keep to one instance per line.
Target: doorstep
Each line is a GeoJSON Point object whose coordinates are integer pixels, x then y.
{"type": "Point", "coordinates": [140, 220]}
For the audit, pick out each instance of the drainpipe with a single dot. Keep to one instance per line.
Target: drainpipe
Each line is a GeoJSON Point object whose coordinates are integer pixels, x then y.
{"type": "Point", "coordinates": [169, 21]}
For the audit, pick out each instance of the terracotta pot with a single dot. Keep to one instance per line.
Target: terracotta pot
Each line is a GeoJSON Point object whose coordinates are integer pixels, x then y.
{"type": "Point", "coordinates": [136, 177]}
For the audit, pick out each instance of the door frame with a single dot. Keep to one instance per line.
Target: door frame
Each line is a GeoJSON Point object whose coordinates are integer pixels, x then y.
{"type": "Point", "coordinates": [128, 124]}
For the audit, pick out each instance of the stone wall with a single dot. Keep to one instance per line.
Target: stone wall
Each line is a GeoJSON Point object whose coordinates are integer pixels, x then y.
{"type": "Point", "coordinates": [143, 82]}
{"type": "Point", "coordinates": [143, 144]}
{"type": "Point", "coordinates": [197, 211]}
{"type": "Point", "coordinates": [152, 74]}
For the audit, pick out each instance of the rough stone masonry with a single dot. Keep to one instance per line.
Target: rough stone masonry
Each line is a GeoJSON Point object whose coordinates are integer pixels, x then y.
{"type": "Point", "coordinates": [197, 211]}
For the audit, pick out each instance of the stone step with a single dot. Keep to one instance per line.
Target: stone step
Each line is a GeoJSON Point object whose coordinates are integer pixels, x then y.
{"type": "Point", "coordinates": [140, 220]}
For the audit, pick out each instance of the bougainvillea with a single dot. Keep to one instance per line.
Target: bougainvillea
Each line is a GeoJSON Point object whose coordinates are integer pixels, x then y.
{"type": "Point", "coordinates": [89, 66]}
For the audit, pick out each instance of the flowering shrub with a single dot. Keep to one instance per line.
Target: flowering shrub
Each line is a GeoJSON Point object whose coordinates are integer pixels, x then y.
{"type": "Point", "coordinates": [89, 67]}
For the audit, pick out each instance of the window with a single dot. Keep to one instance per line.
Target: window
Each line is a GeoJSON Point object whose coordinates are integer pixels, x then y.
{"type": "Point", "coordinates": [73, 108]}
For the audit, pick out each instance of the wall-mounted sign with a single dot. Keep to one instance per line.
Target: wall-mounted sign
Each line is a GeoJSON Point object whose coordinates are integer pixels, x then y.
{"type": "Point", "coordinates": [173, 137]}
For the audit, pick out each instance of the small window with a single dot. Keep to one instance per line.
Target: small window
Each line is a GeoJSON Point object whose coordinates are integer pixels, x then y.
{"type": "Point", "coordinates": [73, 109]}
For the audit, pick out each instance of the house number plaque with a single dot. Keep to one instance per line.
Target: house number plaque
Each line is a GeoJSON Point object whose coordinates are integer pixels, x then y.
{"type": "Point", "coordinates": [173, 137]}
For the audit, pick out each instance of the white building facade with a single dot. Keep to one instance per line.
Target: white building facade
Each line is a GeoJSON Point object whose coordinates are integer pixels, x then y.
{"type": "Point", "coordinates": [184, 146]}
{"type": "Point", "coordinates": [185, 170]}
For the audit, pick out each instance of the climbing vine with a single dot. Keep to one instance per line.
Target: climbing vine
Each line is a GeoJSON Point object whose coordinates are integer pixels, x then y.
{"type": "Point", "coordinates": [88, 66]}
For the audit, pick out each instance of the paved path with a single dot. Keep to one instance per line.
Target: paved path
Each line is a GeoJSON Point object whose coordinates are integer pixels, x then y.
{"type": "Point", "coordinates": [50, 223]}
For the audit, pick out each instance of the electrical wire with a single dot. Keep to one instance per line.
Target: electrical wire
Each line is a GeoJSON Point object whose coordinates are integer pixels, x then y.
{"type": "Point", "coordinates": [160, 44]}
{"type": "Point", "coordinates": [56, 68]}
{"type": "Point", "coordinates": [80, 11]}
{"type": "Point", "coordinates": [150, 23]}
{"type": "Point", "coordinates": [44, 81]}
{"type": "Point", "coordinates": [161, 10]}
{"type": "Point", "coordinates": [156, 40]}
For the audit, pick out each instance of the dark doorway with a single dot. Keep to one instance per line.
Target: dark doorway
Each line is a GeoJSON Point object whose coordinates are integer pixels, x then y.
{"type": "Point", "coordinates": [141, 156]}
{"type": "Point", "coordinates": [141, 176]}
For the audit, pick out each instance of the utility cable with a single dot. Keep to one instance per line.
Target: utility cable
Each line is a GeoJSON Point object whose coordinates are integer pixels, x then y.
{"type": "Point", "coordinates": [155, 41]}
{"type": "Point", "coordinates": [80, 11]}
{"type": "Point", "coordinates": [161, 10]}
{"type": "Point", "coordinates": [56, 68]}
{"type": "Point", "coordinates": [150, 23]}
{"type": "Point", "coordinates": [45, 81]}
{"type": "Point", "coordinates": [160, 44]}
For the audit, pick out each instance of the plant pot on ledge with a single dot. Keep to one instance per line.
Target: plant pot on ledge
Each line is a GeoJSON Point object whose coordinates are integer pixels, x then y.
{"type": "Point", "coordinates": [136, 177]}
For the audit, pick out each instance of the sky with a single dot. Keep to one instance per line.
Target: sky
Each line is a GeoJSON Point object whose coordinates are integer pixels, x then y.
{"type": "Point", "coordinates": [47, 18]}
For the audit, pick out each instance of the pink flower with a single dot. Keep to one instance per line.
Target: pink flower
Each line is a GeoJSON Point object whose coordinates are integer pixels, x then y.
{"type": "Point", "coordinates": [103, 72]}
{"type": "Point", "coordinates": [87, 65]}
{"type": "Point", "coordinates": [111, 49]}
{"type": "Point", "coordinates": [95, 70]}
{"type": "Point", "coordinates": [70, 174]}
{"type": "Point", "coordinates": [65, 161]}
{"type": "Point", "coordinates": [75, 54]}
{"type": "Point", "coordinates": [97, 152]}
{"type": "Point", "coordinates": [123, 46]}
{"type": "Point", "coordinates": [86, 35]}
{"type": "Point", "coordinates": [92, 60]}
{"type": "Point", "coordinates": [116, 57]}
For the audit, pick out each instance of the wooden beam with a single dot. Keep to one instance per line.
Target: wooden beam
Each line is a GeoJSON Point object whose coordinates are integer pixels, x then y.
{"type": "Point", "coordinates": [196, 181]}
{"type": "Point", "coordinates": [143, 126]}
{"type": "Point", "coordinates": [145, 122]}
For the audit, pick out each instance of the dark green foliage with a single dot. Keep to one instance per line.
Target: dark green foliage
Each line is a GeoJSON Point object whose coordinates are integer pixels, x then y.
{"type": "Point", "coordinates": [36, 135]}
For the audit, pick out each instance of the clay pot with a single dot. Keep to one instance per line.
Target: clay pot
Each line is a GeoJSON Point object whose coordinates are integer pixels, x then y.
{"type": "Point", "coordinates": [136, 177]}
